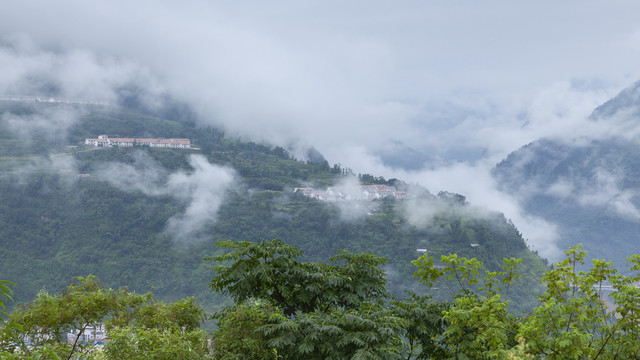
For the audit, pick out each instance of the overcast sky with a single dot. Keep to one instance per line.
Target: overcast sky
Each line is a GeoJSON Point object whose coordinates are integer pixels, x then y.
{"type": "Point", "coordinates": [444, 88]}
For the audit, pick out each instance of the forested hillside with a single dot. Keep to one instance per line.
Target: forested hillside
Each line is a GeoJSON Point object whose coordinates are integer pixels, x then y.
{"type": "Point", "coordinates": [146, 218]}
{"type": "Point", "coordinates": [589, 191]}
{"type": "Point", "coordinates": [588, 186]}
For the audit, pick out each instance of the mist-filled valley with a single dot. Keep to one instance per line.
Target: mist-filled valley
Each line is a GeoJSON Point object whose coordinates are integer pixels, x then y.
{"type": "Point", "coordinates": [319, 180]}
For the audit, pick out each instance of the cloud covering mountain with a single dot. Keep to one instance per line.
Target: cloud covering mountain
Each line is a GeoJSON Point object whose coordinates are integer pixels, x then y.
{"type": "Point", "coordinates": [433, 93]}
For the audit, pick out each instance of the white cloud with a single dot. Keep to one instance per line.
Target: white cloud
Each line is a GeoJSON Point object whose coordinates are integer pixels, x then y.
{"type": "Point", "coordinates": [563, 188]}
{"type": "Point", "coordinates": [480, 189]}
{"type": "Point", "coordinates": [202, 190]}
{"type": "Point", "coordinates": [460, 84]}
{"type": "Point", "coordinates": [69, 73]}
{"type": "Point", "coordinates": [335, 73]}
{"type": "Point", "coordinates": [352, 208]}
{"type": "Point", "coordinates": [48, 124]}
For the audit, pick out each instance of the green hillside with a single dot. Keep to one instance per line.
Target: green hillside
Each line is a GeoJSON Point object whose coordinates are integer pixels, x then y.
{"type": "Point", "coordinates": [56, 223]}
{"type": "Point", "coordinates": [588, 190]}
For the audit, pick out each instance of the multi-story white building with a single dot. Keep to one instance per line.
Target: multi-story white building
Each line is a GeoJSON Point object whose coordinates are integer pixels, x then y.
{"type": "Point", "coordinates": [104, 140]}
{"type": "Point", "coordinates": [91, 334]}
{"type": "Point", "coordinates": [365, 192]}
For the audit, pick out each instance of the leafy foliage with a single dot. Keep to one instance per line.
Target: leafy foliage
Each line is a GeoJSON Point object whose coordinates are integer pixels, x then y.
{"type": "Point", "coordinates": [237, 336]}
{"type": "Point", "coordinates": [423, 325]}
{"type": "Point", "coordinates": [572, 320]}
{"type": "Point", "coordinates": [5, 296]}
{"type": "Point", "coordinates": [367, 332]}
{"type": "Point", "coordinates": [316, 311]}
{"type": "Point", "coordinates": [270, 270]}
{"type": "Point", "coordinates": [43, 324]}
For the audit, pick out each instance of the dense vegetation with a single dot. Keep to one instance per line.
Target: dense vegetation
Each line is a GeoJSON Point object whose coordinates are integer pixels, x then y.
{"type": "Point", "coordinates": [300, 298]}
{"type": "Point", "coordinates": [587, 186]}
{"type": "Point", "coordinates": [590, 190]}
{"type": "Point", "coordinates": [286, 308]}
{"type": "Point", "coordinates": [55, 225]}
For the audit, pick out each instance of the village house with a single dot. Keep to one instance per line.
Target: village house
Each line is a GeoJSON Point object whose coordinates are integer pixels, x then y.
{"type": "Point", "coordinates": [105, 141]}
{"type": "Point", "coordinates": [337, 193]}
{"type": "Point", "coordinates": [92, 334]}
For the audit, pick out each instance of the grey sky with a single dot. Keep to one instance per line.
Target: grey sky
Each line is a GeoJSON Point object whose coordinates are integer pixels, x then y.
{"type": "Point", "coordinates": [459, 83]}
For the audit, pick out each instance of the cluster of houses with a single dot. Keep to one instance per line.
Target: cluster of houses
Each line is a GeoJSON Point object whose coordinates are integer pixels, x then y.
{"type": "Point", "coordinates": [105, 141]}
{"type": "Point", "coordinates": [95, 334]}
{"type": "Point", "coordinates": [364, 192]}
{"type": "Point", "coordinates": [92, 334]}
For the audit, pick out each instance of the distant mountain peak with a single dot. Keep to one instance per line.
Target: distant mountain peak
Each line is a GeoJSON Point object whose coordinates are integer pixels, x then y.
{"type": "Point", "coordinates": [627, 101]}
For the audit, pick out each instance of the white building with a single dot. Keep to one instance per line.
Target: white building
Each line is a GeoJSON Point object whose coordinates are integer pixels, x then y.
{"type": "Point", "coordinates": [104, 140]}
{"type": "Point", "coordinates": [366, 192]}
{"type": "Point", "coordinates": [91, 334]}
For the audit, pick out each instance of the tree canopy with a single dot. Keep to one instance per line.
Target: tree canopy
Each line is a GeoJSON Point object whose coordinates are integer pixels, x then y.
{"type": "Point", "coordinates": [296, 310]}
{"type": "Point", "coordinates": [286, 308]}
{"type": "Point", "coordinates": [138, 327]}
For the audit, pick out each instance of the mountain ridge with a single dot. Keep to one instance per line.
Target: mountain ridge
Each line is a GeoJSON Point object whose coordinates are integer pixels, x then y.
{"type": "Point", "coordinates": [124, 229]}
{"type": "Point", "coordinates": [589, 186]}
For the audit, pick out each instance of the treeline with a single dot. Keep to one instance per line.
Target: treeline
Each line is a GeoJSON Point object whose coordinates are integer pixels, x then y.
{"type": "Point", "coordinates": [287, 308]}
{"type": "Point", "coordinates": [54, 225]}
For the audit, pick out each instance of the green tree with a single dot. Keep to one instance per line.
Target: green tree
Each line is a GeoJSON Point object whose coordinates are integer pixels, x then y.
{"type": "Point", "coordinates": [423, 327]}
{"type": "Point", "coordinates": [479, 326]}
{"type": "Point", "coordinates": [369, 331]}
{"type": "Point", "coordinates": [320, 311]}
{"type": "Point", "coordinates": [129, 318]}
{"type": "Point", "coordinates": [237, 337]}
{"type": "Point", "coordinates": [6, 294]}
{"type": "Point", "coordinates": [270, 270]}
{"type": "Point", "coordinates": [159, 330]}
{"type": "Point", "coordinates": [573, 320]}
{"type": "Point", "coordinates": [576, 320]}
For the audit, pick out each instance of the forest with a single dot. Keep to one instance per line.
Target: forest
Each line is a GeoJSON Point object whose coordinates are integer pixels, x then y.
{"type": "Point", "coordinates": [285, 308]}
{"type": "Point", "coordinates": [56, 225]}
{"type": "Point", "coordinates": [67, 212]}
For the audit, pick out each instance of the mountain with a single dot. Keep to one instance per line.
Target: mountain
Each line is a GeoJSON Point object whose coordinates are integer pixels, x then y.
{"type": "Point", "coordinates": [626, 103]}
{"type": "Point", "coordinates": [146, 217]}
{"type": "Point", "coordinates": [589, 187]}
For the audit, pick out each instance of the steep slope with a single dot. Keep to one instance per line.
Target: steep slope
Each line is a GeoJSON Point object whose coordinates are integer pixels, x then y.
{"type": "Point", "coordinates": [589, 187]}
{"type": "Point", "coordinates": [145, 218]}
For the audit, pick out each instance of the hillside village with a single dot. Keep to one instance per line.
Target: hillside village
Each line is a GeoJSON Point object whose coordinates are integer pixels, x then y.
{"type": "Point", "coordinates": [363, 192]}
{"type": "Point", "coordinates": [105, 141]}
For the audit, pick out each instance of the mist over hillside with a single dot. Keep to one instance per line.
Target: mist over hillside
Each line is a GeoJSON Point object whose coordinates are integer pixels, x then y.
{"type": "Point", "coordinates": [587, 185]}
{"type": "Point", "coordinates": [279, 96]}
{"type": "Point", "coordinates": [146, 217]}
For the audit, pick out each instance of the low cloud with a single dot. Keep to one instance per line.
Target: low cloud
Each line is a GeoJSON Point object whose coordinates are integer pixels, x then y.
{"type": "Point", "coordinates": [601, 189]}
{"type": "Point", "coordinates": [202, 191]}
{"type": "Point", "coordinates": [71, 74]}
{"type": "Point", "coordinates": [57, 78]}
{"type": "Point", "coordinates": [363, 85]}
{"type": "Point", "coordinates": [144, 175]}
{"type": "Point", "coordinates": [22, 168]}
{"type": "Point", "coordinates": [48, 124]}
{"type": "Point", "coordinates": [563, 188]}
{"type": "Point", "coordinates": [475, 182]}
{"type": "Point", "coordinates": [421, 210]}
{"type": "Point", "coordinates": [352, 207]}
